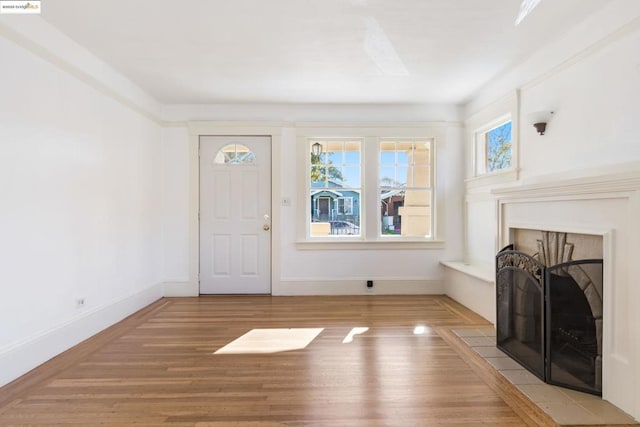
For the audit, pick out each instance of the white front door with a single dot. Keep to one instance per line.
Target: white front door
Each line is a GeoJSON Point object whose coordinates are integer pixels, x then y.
{"type": "Point", "coordinates": [235, 214]}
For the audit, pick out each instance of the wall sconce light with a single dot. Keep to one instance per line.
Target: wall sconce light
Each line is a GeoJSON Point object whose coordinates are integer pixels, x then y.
{"type": "Point", "coordinates": [316, 149]}
{"type": "Point", "coordinates": [540, 127]}
{"type": "Point", "coordinates": [540, 120]}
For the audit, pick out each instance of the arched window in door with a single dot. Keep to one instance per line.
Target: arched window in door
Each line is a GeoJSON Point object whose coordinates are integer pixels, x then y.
{"type": "Point", "coordinates": [234, 154]}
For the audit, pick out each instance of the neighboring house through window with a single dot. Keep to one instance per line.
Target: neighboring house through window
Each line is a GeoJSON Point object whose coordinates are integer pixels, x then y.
{"type": "Point", "coordinates": [335, 187]}
{"type": "Point", "coordinates": [405, 191]}
{"type": "Point", "coordinates": [345, 205]}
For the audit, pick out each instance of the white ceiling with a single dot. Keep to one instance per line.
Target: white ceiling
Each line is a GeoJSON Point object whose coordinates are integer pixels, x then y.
{"type": "Point", "coordinates": [312, 51]}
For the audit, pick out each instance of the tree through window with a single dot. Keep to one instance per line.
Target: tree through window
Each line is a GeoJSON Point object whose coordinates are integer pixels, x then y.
{"type": "Point", "coordinates": [498, 146]}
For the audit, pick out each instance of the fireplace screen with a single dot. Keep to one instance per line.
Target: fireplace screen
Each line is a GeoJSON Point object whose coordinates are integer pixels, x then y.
{"type": "Point", "coordinates": [520, 304]}
{"type": "Point", "coordinates": [549, 318]}
{"type": "Point", "coordinates": [574, 325]}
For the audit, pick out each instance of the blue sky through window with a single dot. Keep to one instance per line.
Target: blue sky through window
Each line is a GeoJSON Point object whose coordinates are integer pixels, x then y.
{"type": "Point", "coordinates": [393, 167]}
{"type": "Point", "coordinates": [348, 163]}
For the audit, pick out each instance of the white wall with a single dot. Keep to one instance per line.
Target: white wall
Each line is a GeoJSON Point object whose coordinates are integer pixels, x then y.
{"type": "Point", "coordinates": [81, 207]}
{"type": "Point", "coordinates": [303, 270]}
{"type": "Point", "coordinates": [596, 109]}
{"type": "Point", "coordinates": [175, 204]}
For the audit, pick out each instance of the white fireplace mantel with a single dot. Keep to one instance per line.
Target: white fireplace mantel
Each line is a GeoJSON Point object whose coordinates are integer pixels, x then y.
{"type": "Point", "coordinates": [606, 205]}
{"type": "Point", "coordinates": [592, 185]}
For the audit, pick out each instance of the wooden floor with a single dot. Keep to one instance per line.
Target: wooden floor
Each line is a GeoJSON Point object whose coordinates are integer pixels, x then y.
{"type": "Point", "coordinates": [158, 367]}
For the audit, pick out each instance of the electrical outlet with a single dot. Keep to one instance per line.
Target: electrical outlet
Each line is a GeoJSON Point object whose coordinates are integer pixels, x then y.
{"type": "Point", "coordinates": [369, 285]}
{"type": "Point", "coordinates": [80, 303]}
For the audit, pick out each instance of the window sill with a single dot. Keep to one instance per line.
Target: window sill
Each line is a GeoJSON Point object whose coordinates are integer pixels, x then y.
{"type": "Point", "coordinates": [476, 270]}
{"type": "Point", "coordinates": [369, 244]}
{"type": "Point", "coordinates": [492, 178]}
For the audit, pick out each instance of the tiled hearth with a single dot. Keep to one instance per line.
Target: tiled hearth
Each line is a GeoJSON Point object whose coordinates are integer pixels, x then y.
{"type": "Point", "coordinates": [566, 407]}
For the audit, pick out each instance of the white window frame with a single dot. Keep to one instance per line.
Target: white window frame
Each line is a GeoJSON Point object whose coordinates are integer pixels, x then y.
{"type": "Point", "coordinates": [431, 188]}
{"type": "Point", "coordinates": [308, 141]}
{"type": "Point", "coordinates": [491, 117]}
{"type": "Point", "coordinates": [369, 209]}
{"type": "Point", "coordinates": [481, 149]}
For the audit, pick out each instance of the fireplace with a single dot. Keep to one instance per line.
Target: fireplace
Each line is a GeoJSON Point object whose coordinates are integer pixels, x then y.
{"type": "Point", "coordinates": [549, 312]}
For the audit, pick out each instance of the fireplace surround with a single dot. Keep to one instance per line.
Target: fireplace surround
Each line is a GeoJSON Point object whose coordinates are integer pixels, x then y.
{"type": "Point", "coordinates": [605, 204]}
{"type": "Point", "coordinates": [549, 312]}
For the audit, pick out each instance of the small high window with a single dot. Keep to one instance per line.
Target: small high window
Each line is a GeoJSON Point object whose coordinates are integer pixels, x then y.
{"type": "Point", "coordinates": [493, 148]}
{"type": "Point", "coordinates": [234, 154]}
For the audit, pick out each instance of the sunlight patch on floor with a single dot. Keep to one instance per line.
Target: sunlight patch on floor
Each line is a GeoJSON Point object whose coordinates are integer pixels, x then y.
{"type": "Point", "coordinates": [271, 341]}
{"type": "Point", "coordinates": [421, 330]}
{"type": "Point", "coordinates": [352, 333]}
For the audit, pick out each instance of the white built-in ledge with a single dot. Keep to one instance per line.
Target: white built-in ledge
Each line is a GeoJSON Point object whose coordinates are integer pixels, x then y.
{"type": "Point", "coordinates": [476, 270]}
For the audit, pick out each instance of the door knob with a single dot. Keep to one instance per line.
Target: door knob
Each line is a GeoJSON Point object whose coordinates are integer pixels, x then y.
{"type": "Point", "coordinates": [266, 227]}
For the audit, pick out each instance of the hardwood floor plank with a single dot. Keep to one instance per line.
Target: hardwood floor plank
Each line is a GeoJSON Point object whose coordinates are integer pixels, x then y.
{"type": "Point", "coordinates": [159, 367]}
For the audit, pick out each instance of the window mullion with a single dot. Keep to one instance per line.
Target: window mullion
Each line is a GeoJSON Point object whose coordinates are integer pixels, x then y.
{"type": "Point", "coordinates": [371, 214]}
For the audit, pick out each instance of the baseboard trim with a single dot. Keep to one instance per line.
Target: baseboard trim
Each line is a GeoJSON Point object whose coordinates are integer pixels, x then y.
{"type": "Point", "coordinates": [358, 287]}
{"type": "Point", "coordinates": [32, 352]}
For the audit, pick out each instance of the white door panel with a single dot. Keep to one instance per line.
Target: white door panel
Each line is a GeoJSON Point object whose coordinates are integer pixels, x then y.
{"type": "Point", "coordinates": [235, 212]}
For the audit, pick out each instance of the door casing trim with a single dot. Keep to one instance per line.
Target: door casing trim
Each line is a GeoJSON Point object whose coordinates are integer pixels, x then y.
{"type": "Point", "coordinates": [212, 128]}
